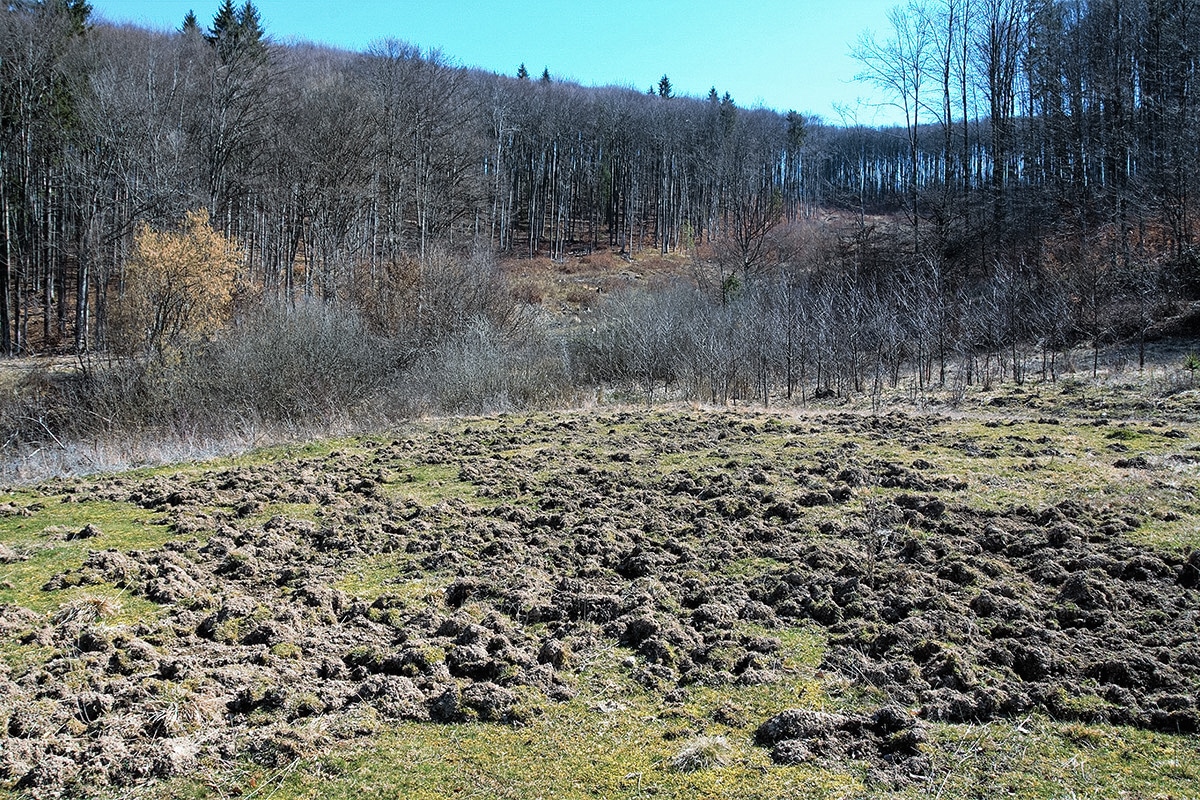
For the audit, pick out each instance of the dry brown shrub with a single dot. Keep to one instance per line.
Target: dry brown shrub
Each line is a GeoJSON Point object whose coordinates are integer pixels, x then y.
{"type": "Point", "coordinates": [179, 285]}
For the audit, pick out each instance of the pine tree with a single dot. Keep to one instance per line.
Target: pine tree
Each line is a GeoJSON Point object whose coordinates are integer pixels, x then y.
{"type": "Point", "coordinates": [190, 26]}
{"type": "Point", "coordinates": [522, 73]}
{"type": "Point", "coordinates": [546, 75]}
{"type": "Point", "coordinates": [664, 87]}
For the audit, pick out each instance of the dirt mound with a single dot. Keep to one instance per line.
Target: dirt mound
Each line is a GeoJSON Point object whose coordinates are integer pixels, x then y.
{"type": "Point", "coordinates": [996, 615]}
{"type": "Point", "coordinates": [889, 740]}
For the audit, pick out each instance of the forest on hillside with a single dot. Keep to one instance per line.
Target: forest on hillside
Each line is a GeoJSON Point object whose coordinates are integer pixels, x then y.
{"type": "Point", "coordinates": [207, 218]}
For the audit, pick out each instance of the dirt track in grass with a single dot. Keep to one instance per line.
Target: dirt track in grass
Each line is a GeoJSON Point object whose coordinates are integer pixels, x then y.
{"type": "Point", "coordinates": [960, 571]}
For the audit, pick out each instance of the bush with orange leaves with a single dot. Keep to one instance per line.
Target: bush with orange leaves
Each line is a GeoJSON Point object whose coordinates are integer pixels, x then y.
{"type": "Point", "coordinates": [179, 286]}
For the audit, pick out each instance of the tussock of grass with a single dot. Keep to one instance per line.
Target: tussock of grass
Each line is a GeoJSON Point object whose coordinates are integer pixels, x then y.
{"type": "Point", "coordinates": [703, 752]}
{"type": "Point", "coordinates": [89, 608]}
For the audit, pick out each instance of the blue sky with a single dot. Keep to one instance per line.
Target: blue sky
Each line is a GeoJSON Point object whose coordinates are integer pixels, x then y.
{"type": "Point", "coordinates": [775, 53]}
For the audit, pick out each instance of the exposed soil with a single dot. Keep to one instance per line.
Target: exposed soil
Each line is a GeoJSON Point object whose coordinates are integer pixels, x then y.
{"type": "Point", "coordinates": [577, 531]}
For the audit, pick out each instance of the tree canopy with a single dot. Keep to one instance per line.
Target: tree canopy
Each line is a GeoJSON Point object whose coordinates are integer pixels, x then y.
{"type": "Point", "coordinates": [1029, 148]}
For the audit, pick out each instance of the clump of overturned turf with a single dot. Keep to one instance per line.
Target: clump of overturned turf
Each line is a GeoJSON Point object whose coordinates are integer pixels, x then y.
{"type": "Point", "coordinates": [890, 740]}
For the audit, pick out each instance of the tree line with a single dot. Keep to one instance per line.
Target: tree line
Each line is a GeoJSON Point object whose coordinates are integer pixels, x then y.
{"type": "Point", "coordinates": [1072, 111]}
{"type": "Point", "coordinates": [1044, 173]}
{"type": "Point", "coordinates": [339, 173]}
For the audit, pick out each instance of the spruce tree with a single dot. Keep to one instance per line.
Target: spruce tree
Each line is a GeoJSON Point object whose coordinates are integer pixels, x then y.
{"type": "Point", "coordinates": [190, 26]}
{"type": "Point", "coordinates": [224, 25]}
{"type": "Point", "coordinates": [250, 32]}
{"type": "Point", "coordinates": [728, 113]}
{"type": "Point", "coordinates": [522, 73]}
{"type": "Point", "coordinates": [546, 75]}
{"type": "Point", "coordinates": [78, 11]}
{"type": "Point", "coordinates": [797, 130]}
{"type": "Point", "coordinates": [664, 87]}
{"type": "Point", "coordinates": [237, 32]}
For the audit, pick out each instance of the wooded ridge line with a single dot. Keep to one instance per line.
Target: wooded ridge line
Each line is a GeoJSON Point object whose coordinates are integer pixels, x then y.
{"type": "Point", "coordinates": [1048, 140]}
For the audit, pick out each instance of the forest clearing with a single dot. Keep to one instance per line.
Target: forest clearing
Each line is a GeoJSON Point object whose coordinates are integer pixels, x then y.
{"type": "Point", "coordinates": [375, 426]}
{"type": "Point", "coordinates": [620, 602]}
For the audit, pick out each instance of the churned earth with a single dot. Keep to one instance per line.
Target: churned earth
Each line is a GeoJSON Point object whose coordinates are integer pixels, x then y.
{"type": "Point", "coordinates": [808, 599]}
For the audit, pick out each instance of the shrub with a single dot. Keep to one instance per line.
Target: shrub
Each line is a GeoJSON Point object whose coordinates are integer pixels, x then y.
{"type": "Point", "coordinates": [178, 285]}
{"type": "Point", "coordinates": [282, 363]}
{"type": "Point", "coordinates": [485, 368]}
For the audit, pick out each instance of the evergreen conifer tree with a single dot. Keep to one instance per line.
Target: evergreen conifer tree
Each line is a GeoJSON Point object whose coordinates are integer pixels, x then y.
{"type": "Point", "coordinates": [224, 24]}
{"type": "Point", "coordinates": [236, 31]}
{"type": "Point", "coordinates": [250, 30]}
{"type": "Point", "coordinates": [522, 73]}
{"type": "Point", "coordinates": [78, 11]}
{"type": "Point", "coordinates": [728, 114]}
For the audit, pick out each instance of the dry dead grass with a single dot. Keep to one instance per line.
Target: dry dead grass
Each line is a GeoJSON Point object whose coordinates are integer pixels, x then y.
{"type": "Point", "coordinates": [577, 283]}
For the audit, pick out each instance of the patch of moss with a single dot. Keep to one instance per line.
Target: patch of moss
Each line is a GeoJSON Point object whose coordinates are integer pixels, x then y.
{"type": "Point", "coordinates": [289, 650]}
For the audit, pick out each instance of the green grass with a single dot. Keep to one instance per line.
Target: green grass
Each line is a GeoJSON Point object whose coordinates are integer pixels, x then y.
{"type": "Point", "coordinates": [613, 740]}
{"type": "Point", "coordinates": [381, 575]}
{"type": "Point", "coordinates": [42, 537]}
{"type": "Point", "coordinates": [431, 483]}
{"type": "Point", "coordinates": [579, 753]}
{"type": "Point", "coordinates": [297, 511]}
{"type": "Point", "coordinates": [617, 741]}
{"type": "Point", "coordinates": [1040, 758]}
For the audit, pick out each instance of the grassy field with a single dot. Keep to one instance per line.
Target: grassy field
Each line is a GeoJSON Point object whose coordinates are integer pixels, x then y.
{"type": "Point", "coordinates": [612, 603]}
